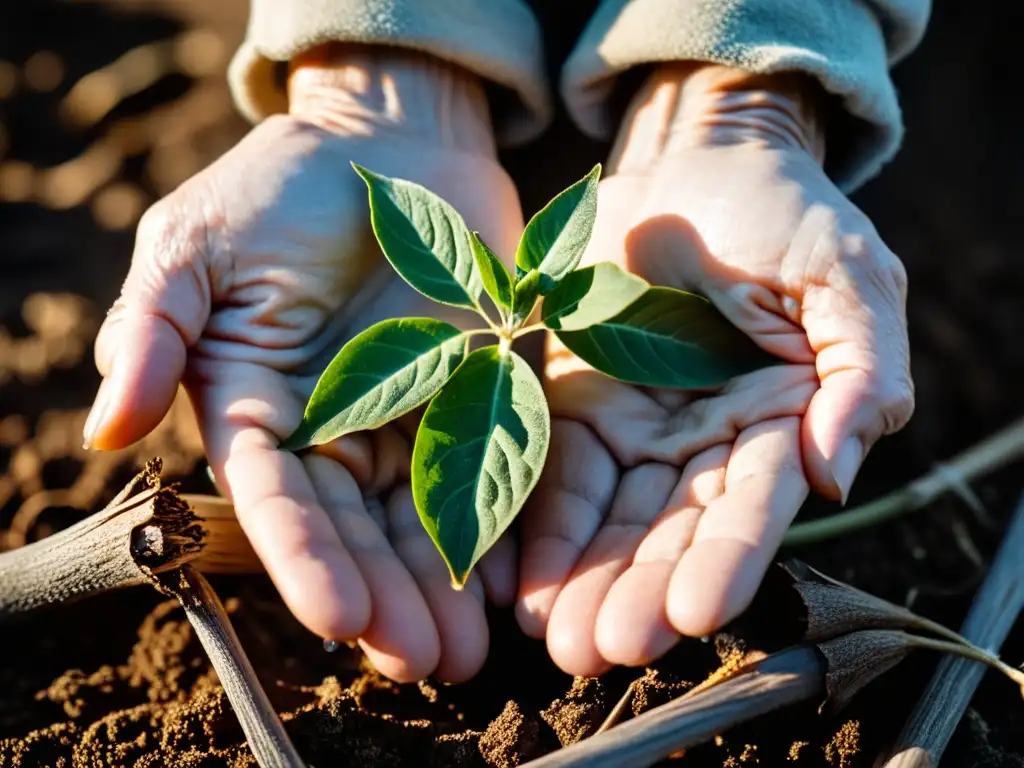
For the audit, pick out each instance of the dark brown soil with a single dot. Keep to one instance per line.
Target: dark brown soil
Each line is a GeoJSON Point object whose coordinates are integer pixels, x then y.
{"type": "Point", "coordinates": [120, 680]}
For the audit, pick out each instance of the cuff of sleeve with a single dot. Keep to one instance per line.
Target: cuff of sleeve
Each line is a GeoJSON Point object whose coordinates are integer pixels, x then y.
{"type": "Point", "coordinates": [498, 40]}
{"type": "Point", "coordinates": [840, 42]}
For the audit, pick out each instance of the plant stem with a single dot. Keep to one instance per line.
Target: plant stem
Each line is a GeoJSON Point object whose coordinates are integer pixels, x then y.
{"type": "Point", "coordinates": [263, 729]}
{"type": "Point", "coordinates": [999, 449]}
{"type": "Point", "coordinates": [972, 652]}
{"type": "Point", "coordinates": [528, 329]}
{"type": "Point", "coordinates": [493, 330]}
{"type": "Point", "coordinates": [993, 612]}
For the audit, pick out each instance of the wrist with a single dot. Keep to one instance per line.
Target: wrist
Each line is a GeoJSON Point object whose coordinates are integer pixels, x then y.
{"type": "Point", "coordinates": [687, 104]}
{"type": "Point", "coordinates": [363, 90]}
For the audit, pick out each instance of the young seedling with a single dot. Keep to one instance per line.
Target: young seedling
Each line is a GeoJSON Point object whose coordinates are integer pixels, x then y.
{"type": "Point", "coordinates": [483, 438]}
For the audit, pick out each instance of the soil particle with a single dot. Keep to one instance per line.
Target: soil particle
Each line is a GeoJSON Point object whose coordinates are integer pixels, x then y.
{"type": "Point", "coordinates": [656, 688]}
{"type": "Point", "coordinates": [512, 738]}
{"type": "Point", "coordinates": [49, 746]}
{"type": "Point", "coordinates": [580, 712]}
{"type": "Point", "coordinates": [844, 746]}
{"type": "Point", "coordinates": [747, 756]}
{"type": "Point", "coordinates": [796, 748]}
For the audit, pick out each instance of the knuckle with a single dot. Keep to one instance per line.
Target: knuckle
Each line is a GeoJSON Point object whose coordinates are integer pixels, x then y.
{"type": "Point", "coordinates": [897, 404]}
{"type": "Point", "coordinates": [156, 222]}
{"type": "Point", "coordinates": [172, 231]}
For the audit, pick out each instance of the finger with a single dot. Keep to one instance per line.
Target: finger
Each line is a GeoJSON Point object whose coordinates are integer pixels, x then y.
{"type": "Point", "coordinates": [141, 347]}
{"type": "Point", "coordinates": [377, 459]}
{"type": "Point", "coordinates": [740, 531]}
{"type": "Point", "coordinates": [401, 639]}
{"type": "Point", "coordinates": [458, 614]}
{"type": "Point", "coordinates": [498, 571]}
{"type": "Point", "coordinates": [641, 495]}
{"type": "Point", "coordinates": [858, 327]}
{"type": "Point", "coordinates": [771, 319]}
{"type": "Point", "coordinates": [561, 518]}
{"type": "Point", "coordinates": [637, 429]}
{"type": "Point", "coordinates": [632, 628]}
{"type": "Point", "coordinates": [243, 412]}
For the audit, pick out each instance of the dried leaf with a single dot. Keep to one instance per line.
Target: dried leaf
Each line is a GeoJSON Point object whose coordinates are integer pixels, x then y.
{"type": "Point", "coordinates": [835, 609]}
{"type": "Point", "coordinates": [855, 659]}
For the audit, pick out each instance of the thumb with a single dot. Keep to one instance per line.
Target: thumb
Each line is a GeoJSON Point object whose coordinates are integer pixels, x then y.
{"type": "Point", "coordinates": [141, 347]}
{"type": "Point", "coordinates": [857, 326]}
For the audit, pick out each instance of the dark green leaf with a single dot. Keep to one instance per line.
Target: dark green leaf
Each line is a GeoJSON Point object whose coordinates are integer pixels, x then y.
{"type": "Point", "coordinates": [557, 235]}
{"type": "Point", "coordinates": [527, 291]}
{"type": "Point", "coordinates": [668, 338]}
{"type": "Point", "coordinates": [479, 451]}
{"type": "Point", "coordinates": [496, 279]}
{"type": "Point", "coordinates": [591, 295]}
{"type": "Point", "coordinates": [424, 238]}
{"type": "Point", "coordinates": [386, 371]}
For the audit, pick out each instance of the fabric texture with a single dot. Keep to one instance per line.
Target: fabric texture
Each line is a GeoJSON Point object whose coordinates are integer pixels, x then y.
{"type": "Point", "coordinates": [847, 45]}
{"type": "Point", "coordinates": [496, 39]}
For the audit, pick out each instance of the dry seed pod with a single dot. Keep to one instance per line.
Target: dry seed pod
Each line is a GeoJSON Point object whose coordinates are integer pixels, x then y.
{"type": "Point", "coordinates": [835, 609]}
{"type": "Point", "coordinates": [855, 659]}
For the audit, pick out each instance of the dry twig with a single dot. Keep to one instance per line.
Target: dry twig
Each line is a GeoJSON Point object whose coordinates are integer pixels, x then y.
{"type": "Point", "coordinates": [262, 727]}
{"type": "Point", "coordinates": [993, 613]}
{"type": "Point", "coordinates": [995, 451]}
{"type": "Point", "coordinates": [783, 678]}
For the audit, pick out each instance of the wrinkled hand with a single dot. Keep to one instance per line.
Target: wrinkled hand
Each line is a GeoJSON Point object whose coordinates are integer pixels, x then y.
{"type": "Point", "coordinates": [244, 283]}
{"type": "Point", "coordinates": [659, 512]}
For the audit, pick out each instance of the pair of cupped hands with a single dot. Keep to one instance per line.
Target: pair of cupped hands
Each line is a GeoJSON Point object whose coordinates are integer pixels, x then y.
{"type": "Point", "coordinates": [658, 512]}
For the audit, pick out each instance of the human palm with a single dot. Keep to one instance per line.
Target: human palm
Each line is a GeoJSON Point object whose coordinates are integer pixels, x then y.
{"type": "Point", "coordinates": [659, 511]}
{"type": "Point", "coordinates": [244, 283]}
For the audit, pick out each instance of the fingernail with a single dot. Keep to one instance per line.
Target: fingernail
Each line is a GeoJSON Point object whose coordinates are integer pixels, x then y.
{"type": "Point", "coordinates": [845, 465]}
{"type": "Point", "coordinates": [97, 414]}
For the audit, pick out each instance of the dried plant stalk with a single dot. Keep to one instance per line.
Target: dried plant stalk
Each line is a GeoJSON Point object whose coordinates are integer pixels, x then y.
{"type": "Point", "coordinates": [987, 456]}
{"type": "Point", "coordinates": [778, 680]}
{"type": "Point", "coordinates": [263, 729]}
{"type": "Point", "coordinates": [993, 613]}
{"type": "Point", "coordinates": [147, 528]}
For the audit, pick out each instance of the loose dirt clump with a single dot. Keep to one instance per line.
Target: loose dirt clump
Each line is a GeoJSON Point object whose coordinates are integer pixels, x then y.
{"type": "Point", "coordinates": [510, 739]}
{"type": "Point", "coordinates": [655, 688]}
{"type": "Point", "coordinates": [845, 745]}
{"type": "Point", "coordinates": [580, 712]}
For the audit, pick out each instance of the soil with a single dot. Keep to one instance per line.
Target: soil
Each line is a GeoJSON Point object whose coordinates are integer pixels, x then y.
{"type": "Point", "coordinates": [120, 679]}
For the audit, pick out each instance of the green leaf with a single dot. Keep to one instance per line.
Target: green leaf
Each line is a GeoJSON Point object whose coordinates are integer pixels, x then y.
{"type": "Point", "coordinates": [668, 338]}
{"type": "Point", "coordinates": [496, 279]}
{"type": "Point", "coordinates": [527, 291]}
{"type": "Point", "coordinates": [554, 240]}
{"type": "Point", "coordinates": [424, 238]}
{"type": "Point", "coordinates": [591, 295]}
{"type": "Point", "coordinates": [386, 371]}
{"type": "Point", "coordinates": [479, 451]}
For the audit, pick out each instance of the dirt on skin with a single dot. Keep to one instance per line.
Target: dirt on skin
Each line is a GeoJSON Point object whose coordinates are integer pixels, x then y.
{"type": "Point", "coordinates": [120, 680]}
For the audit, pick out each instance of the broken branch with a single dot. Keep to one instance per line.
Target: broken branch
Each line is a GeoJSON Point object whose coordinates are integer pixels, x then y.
{"type": "Point", "coordinates": [146, 529]}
